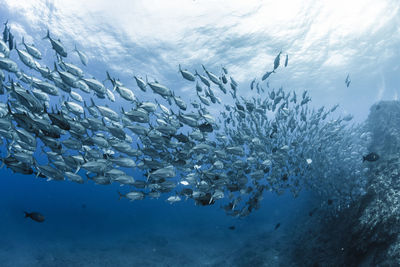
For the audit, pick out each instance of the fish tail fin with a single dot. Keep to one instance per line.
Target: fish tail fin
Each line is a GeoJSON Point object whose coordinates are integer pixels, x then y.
{"type": "Point", "coordinates": [364, 158]}
{"type": "Point", "coordinates": [77, 169]}
{"type": "Point", "coordinates": [47, 35]}
{"type": "Point", "coordinates": [75, 49]}
{"type": "Point", "coordinates": [120, 195]}
{"type": "Point", "coordinates": [92, 101]}
{"type": "Point", "coordinates": [27, 214]}
{"type": "Point", "coordinates": [108, 76]}
{"type": "Point", "coordinates": [196, 73]}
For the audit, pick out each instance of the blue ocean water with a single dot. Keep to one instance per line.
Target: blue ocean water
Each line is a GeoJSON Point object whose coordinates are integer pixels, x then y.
{"type": "Point", "coordinates": [87, 225]}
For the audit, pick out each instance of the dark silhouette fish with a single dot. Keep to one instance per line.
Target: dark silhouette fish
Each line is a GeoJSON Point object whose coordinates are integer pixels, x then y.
{"type": "Point", "coordinates": [347, 81]}
{"type": "Point", "coordinates": [277, 61]}
{"type": "Point", "coordinates": [181, 138]}
{"type": "Point", "coordinates": [312, 212]}
{"type": "Point", "coordinates": [206, 127]}
{"type": "Point", "coordinates": [36, 216]}
{"type": "Point", "coordinates": [277, 226]}
{"type": "Point", "coordinates": [232, 227]}
{"type": "Point", "coordinates": [266, 75]}
{"type": "Point", "coordinates": [371, 157]}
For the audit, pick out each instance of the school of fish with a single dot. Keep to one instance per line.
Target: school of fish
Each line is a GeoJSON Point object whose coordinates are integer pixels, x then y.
{"type": "Point", "coordinates": [167, 147]}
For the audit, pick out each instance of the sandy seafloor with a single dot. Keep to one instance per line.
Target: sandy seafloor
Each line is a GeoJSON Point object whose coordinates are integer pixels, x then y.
{"type": "Point", "coordinates": [86, 225]}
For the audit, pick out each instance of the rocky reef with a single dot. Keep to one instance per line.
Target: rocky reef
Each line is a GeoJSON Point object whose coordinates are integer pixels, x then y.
{"type": "Point", "coordinates": [367, 232]}
{"type": "Point", "coordinates": [375, 233]}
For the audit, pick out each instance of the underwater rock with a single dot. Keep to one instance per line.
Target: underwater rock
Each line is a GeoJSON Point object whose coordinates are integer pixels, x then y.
{"type": "Point", "coordinates": [367, 231]}
{"type": "Point", "coordinates": [376, 235]}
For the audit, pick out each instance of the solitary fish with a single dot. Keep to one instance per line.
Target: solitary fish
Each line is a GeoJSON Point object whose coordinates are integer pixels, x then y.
{"type": "Point", "coordinates": [277, 226]}
{"type": "Point", "coordinates": [36, 216]}
{"type": "Point", "coordinates": [347, 81]}
{"type": "Point", "coordinates": [371, 157]}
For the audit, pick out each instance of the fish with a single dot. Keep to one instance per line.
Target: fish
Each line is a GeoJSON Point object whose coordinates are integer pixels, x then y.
{"type": "Point", "coordinates": [82, 56]}
{"type": "Point", "coordinates": [277, 60]}
{"type": "Point", "coordinates": [347, 81]}
{"type": "Point", "coordinates": [71, 68]}
{"type": "Point", "coordinates": [36, 216]}
{"type": "Point", "coordinates": [140, 83]}
{"type": "Point", "coordinates": [181, 138]}
{"type": "Point", "coordinates": [211, 76]}
{"type": "Point", "coordinates": [6, 32]}
{"type": "Point", "coordinates": [371, 157]}
{"type": "Point", "coordinates": [203, 79]}
{"type": "Point", "coordinates": [32, 50]}
{"type": "Point", "coordinates": [186, 74]}
{"type": "Point", "coordinates": [173, 199]}
{"type": "Point", "coordinates": [206, 127]}
{"type": "Point", "coordinates": [160, 89]}
{"type": "Point", "coordinates": [311, 213]}
{"type": "Point", "coordinates": [57, 45]}
{"type": "Point", "coordinates": [26, 58]}
{"type": "Point", "coordinates": [224, 80]}
{"type": "Point", "coordinates": [8, 65]}
{"type": "Point", "coordinates": [253, 143]}
{"type": "Point", "coordinates": [277, 226]}
{"type": "Point", "coordinates": [286, 60]}
{"type": "Point", "coordinates": [133, 195]}
{"type": "Point", "coordinates": [266, 75]}
{"type": "Point", "coordinates": [4, 49]}
{"type": "Point", "coordinates": [252, 84]}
